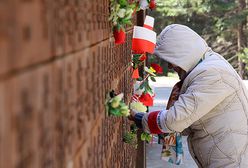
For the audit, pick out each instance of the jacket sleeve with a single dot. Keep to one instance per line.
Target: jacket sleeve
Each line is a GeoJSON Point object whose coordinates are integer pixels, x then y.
{"type": "Point", "coordinates": [204, 93]}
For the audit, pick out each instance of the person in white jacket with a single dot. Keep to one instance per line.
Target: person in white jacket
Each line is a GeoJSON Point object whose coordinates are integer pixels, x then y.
{"type": "Point", "coordinates": [213, 101]}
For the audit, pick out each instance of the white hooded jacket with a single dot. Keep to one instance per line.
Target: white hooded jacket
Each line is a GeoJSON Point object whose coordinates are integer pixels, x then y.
{"type": "Point", "coordinates": [213, 102]}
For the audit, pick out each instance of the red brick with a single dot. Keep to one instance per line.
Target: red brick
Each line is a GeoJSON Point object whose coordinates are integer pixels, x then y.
{"type": "Point", "coordinates": [59, 130]}
{"type": "Point", "coordinates": [6, 22]}
{"type": "Point", "coordinates": [6, 146]}
{"type": "Point", "coordinates": [30, 39]}
{"type": "Point", "coordinates": [21, 98]}
{"type": "Point", "coordinates": [69, 104]}
{"type": "Point", "coordinates": [52, 112]}
{"type": "Point", "coordinates": [4, 53]}
{"type": "Point", "coordinates": [30, 104]}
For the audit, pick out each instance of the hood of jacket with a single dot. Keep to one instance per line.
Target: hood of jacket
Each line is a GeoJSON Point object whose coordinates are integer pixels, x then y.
{"type": "Point", "coordinates": [181, 46]}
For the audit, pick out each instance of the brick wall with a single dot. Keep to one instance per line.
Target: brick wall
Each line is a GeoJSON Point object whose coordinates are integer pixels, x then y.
{"type": "Point", "coordinates": [57, 62]}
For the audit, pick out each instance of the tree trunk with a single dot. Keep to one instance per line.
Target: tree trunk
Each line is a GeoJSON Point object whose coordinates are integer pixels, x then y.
{"type": "Point", "coordinates": [241, 39]}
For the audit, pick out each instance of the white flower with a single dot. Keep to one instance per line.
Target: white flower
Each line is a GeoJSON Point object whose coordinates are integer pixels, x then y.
{"type": "Point", "coordinates": [138, 106]}
{"type": "Point", "coordinates": [115, 7]}
{"type": "Point", "coordinates": [121, 13]}
{"type": "Point", "coordinates": [129, 13]}
{"type": "Point", "coordinates": [119, 97]}
{"type": "Point", "coordinates": [125, 112]}
{"type": "Point", "coordinates": [143, 4]}
{"type": "Point", "coordinates": [149, 71]}
{"type": "Point", "coordinates": [115, 103]}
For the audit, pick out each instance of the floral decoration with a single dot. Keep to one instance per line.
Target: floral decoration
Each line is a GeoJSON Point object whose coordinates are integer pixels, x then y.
{"type": "Point", "coordinates": [158, 69]}
{"type": "Point", "coordinates": [152, 4]}
{"type": "Point", "coordinates": [138, 59]}
{"type": "Point", "coordinates": [146, 99]}
{"type": "Point", "coordinates": [130, 137]}
{"type": "Point", "coordinates": [119, 35]}
{"type": "Point", "coordinates": [145, 4]}
{"type": "Point", "coordinates": [146, 137]}
{"type": "Point", "coordinates": [138, 106]}
{"type": "Point", "coordinates": [116, 106]}
{"type": "Point", "coordinates": [121, 15]}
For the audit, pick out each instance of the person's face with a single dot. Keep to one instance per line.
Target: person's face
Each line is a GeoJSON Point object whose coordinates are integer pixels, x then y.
{"type": "Point", "coordinates": [181, 73]}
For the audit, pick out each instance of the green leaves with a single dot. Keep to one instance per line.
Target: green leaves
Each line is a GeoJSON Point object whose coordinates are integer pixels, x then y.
{"type": "Point", "coordinates": [121, 12]}
{"type": "Point", "coordinates": [130, 137]}
{"type": "Point", "coordinates": [136, 60]}
{"type": "Point", "coordinates": [146, 137]}
{"type": "Point", "coordinates": [143, 137]}
{"type": "Point", "coordinates": [116, 106]}
{"type": "Point", "coordinates": [123, 3]}
{"type": "Point", "coordinates": [145, 85]}
{"type": "Point", "coordinates": [153, 79]}
{"type": "Point", "coordinates": [127, 21]}
{"type": "Point", "coordinates": [115, 112]}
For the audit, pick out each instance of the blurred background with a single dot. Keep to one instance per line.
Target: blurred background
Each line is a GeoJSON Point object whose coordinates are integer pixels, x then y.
{"type": "Point", "coordinates": [222, 23]}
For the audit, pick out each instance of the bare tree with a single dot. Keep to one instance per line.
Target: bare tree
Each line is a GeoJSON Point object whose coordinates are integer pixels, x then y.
{"type": "Point", "coordinates": [241, 39]}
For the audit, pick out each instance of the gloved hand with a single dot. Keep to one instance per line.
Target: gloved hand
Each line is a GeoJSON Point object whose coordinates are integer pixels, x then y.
{"type": "Point", "coordinates": [132, 114]}
{"type": "Point", "coordinates": [137, 118]}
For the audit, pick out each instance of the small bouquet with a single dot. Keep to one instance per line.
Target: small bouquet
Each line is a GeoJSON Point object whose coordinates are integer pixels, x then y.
{"type": "Point", "coordinates": [138, 106]}
{"type": "Point", "coordinates": [116, 106]}
{"type": "Point", "coordinates": [130, 137]}
{"type": "Point", "coordinates": [121, 15]}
